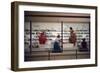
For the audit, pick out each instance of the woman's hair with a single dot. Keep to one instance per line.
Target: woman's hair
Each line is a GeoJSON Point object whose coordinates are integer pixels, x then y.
{"type": "Point", "coordinates": [71, 28]}
{"type": "Point", "coordinates": [58, 36]}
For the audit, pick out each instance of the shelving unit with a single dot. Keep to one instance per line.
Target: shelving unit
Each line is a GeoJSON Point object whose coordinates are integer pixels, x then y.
{"type": "Point", "coordinates": [52, 33]}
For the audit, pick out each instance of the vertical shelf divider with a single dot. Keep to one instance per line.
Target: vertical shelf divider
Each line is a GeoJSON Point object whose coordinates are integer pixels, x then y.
{"type": "Point", "coordinates": [62, 35]}
{"type": "Point", "coordinates": [30, 37]}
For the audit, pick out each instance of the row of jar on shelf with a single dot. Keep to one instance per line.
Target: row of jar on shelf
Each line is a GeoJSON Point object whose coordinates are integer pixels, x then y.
{"type": "Point", "coordinates": [36, 43]}
{"type": "Point", "coordinates": [55, 31]}
{"type": "Point", "coordinates": [35, 37]}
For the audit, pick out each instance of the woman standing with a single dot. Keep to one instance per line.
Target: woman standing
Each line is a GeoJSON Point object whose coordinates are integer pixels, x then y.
{"type": "Point", "coordinates": [72, 38]}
